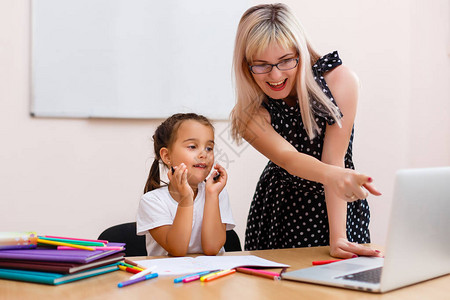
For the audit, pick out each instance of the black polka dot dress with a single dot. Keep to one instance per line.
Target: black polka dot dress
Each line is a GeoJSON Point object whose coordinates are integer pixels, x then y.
{"type": "Point", "coordinates": [288, 211]}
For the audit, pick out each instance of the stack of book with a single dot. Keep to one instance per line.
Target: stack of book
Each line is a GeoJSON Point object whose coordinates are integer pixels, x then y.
{"type": "Point", "coordinates": [56, 260]}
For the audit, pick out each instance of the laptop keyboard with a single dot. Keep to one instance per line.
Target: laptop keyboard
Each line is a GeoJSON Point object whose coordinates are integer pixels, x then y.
{"type": "Point", "coordinates": [372, 276]}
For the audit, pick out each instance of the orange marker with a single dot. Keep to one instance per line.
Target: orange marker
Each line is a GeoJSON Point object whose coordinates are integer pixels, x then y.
{"type": "Point", "coordinates": [218, 275]}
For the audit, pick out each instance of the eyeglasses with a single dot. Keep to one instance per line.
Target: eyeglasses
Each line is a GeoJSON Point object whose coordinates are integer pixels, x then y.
{"type": "Point", "coordinates": [284, 65]}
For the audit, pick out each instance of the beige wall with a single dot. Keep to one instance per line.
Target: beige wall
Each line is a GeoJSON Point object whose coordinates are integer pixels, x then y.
{"type": "Point", "coordinates": [75, 177]}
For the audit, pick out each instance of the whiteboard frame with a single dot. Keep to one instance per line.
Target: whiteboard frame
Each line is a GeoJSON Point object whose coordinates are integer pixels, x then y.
{"type": "Point", "coordinates": [97, 58]}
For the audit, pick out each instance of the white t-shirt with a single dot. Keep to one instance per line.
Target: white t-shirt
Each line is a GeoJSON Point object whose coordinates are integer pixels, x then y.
{"type": "Point", "coordinates": [158, 208]}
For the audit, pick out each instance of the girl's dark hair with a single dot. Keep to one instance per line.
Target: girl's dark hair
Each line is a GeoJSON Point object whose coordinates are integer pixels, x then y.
{"type": "Point", "coordinates": [164, 136]}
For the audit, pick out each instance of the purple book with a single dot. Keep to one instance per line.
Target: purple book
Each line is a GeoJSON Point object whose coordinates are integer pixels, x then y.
{"type": "Point", "coordinates": [48, 254]}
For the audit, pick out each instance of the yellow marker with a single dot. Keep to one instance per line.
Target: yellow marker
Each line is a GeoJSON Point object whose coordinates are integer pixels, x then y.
{"type": "Point", "coordinates": [209, 275]}
{"type": "Point", "coordinates": [219, 275]}
{"type": "Point", "coordinates": [131, 266]}
{"type": "Point", "coordinates": [41, 241]}
{"type": "Point", "coordinates": [123, 268]}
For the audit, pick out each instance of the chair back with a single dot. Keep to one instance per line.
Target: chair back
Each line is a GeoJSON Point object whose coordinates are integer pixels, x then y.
{"type": "Point", "coordinates": [232, 242]}
{"type": "Point", "coordinates": [126, 233]}
{"type": "Point", "coordinates": [135, 244]}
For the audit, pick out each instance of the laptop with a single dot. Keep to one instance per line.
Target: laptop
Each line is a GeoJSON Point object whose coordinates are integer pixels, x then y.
{"type": "Point", "coordinates": [417, 245]}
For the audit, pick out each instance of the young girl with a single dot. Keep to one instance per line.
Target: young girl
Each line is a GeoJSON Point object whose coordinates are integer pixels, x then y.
{"type": "Point", "coordinates": [297, 108]}
{"type": "Point", "coordinates": [191, 213]}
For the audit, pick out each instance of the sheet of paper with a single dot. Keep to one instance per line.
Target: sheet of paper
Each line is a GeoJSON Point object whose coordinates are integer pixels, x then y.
{"type": "Point", "coordinates": [172, 266]}
{"type": "Point", "coordinates": [187, 265]}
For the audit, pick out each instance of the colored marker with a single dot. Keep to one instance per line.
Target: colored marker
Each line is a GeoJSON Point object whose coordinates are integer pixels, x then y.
{"type": "Point", "coordinates": [130, 270]}
{"type": "Point", "coordinates": [134, 264]}
{"type": "Point", "coordinates": [324, 262]}
{"type": "Point", "coordinates": [95, 248]}
{"type": "Point", "coordinates": [143, 273]}
{"type": "Point", "coordinates": [41, 241]}
{"type": "Point", "coordinates": [77, 239]}
{"type": "Point", "coordinates": [192, 278]}
{"type": "Point", "coordinates": [73, 242]}
{"type": "Point", "coordinates": [218, 275]}
{"type": "Point", "coordinates": [261, 273]}
{"type": "Point", "coordinates": [139, 279]}
{"type": "Point", "coordinates": [199, 274]}
{"type": "Point", "coordinates": [202, 278]}
{"type": "Point", "coordinates": [130, 266]}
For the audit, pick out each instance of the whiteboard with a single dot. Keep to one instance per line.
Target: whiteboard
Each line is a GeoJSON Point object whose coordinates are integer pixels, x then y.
{"type": "Point", "coordinates": [133, 58]}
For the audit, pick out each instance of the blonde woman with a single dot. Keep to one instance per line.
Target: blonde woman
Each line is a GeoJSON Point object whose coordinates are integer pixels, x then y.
{"type": "Point", "coordinates": [297, 108]}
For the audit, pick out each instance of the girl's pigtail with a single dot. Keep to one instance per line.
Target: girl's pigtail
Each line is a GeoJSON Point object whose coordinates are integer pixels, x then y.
{"type": "Point", "coordinates": [153, 181]}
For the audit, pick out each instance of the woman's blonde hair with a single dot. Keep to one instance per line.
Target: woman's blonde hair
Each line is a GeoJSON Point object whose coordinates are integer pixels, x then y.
{"type": "Point", "coordinates": [260, 26]}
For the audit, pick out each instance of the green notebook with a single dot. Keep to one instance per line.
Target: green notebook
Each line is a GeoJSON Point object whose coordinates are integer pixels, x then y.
{"type": "Point", "coordinates": [53, 278]}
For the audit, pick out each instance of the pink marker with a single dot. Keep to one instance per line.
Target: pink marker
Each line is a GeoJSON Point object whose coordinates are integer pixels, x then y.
{"type": "Point", "coordinates": [95, 248]}
{"type": "Point", "coordinates": [191, 278]}
{"type": "Point", "coordinates": [261, 273]}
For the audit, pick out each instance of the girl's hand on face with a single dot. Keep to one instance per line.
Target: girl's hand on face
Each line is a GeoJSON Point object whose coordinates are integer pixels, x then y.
{"type": "Point", "coordinates": [217, 180]}
{"type": "Point", "coordinates": [342, 248]}
{"type": "Point", "coordinates": [350, 185]}
{"type": "Point", "coordinates": [179, 187]}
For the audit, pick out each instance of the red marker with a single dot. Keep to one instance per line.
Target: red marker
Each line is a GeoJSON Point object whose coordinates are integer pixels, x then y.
{"type": "Point", "coordinates": [324, 262]}
{"type": "Point", "coordinates": [128, 269]}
